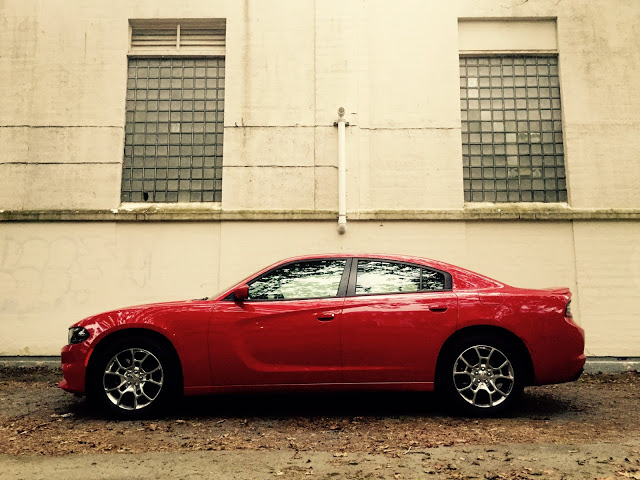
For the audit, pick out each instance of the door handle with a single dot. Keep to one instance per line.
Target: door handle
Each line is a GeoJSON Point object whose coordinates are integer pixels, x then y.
{"type": "Point", "coordinates": [438, 308]}
{"type": "Point", "coordinates": [326, 317]}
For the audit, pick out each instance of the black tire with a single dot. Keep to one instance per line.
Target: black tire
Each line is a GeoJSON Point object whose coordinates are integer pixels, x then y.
{"type": "Point", "coordinates": [481, 375]}
{"type": "Point", "coordinates": [133, 377]}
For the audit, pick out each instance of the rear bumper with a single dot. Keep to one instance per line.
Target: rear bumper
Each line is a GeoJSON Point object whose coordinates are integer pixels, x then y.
{"type": "Point", "coordinates": [578, 375]}
{"type": "Point", "coordinates": [563, 358]}
{"type": "Point", "coordinates": [574, 369]}
{"type": "Point", "coordinates": [566, 370]}
{"type": "Point", "coordinates": [73, 360]}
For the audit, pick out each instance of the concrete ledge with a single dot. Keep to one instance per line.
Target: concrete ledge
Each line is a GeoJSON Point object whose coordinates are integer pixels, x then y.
{"type": "Point", "coordinates": [160, 215]}
{"type": "Point", "coordinates": [52, 361]}
{"type": "Point", "coordinates": [612, 364]}
{"type": "Point", "coordinates": [213, 213]}
{"type": "Point", "coordinates": [594, 365]}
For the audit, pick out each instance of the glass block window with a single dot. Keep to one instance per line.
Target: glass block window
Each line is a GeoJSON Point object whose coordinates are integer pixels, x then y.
{"type": "Point", "coordinates": [511, 129]}
{"type": "Point", "coordinates": [174, 130]}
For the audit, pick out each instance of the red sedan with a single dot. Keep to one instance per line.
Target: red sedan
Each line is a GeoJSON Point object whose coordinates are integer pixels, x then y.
{"type": "Point", "coordinates": [342, 322]}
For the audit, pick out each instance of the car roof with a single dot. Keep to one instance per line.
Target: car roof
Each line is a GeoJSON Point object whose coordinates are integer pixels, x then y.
{"type": "Point", "coordinates": [381, 256]}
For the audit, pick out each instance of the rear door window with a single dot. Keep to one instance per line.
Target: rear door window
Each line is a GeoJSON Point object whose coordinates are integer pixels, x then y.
{"type": "Point", "coordinates": [379, 276]}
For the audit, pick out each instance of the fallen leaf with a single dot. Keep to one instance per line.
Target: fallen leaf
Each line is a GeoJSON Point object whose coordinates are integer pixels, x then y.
{"type": "Point", "coordinates": [64, 415]}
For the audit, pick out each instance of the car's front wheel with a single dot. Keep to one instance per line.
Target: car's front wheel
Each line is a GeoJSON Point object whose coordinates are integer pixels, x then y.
{"type": "Point", "coordinates": [482, 375]}
{"type": "Point", "coordinates": [133, 377]}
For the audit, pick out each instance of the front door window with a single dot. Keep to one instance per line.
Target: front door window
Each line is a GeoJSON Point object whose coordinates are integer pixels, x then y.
{"type": "Point", "coordinates": [299, 280]}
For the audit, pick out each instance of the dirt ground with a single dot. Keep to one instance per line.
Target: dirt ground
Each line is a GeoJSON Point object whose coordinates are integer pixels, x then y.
{"type": "Point", "coordinates": [585, 429]}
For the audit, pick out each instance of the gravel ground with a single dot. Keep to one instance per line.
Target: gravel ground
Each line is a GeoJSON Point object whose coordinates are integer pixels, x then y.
{"type": "Point", "coordinates": [585, 429]}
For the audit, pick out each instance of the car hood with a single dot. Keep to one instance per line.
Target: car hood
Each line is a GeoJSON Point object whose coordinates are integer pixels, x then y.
{"type": "Point", "coordinates": [135, 311]}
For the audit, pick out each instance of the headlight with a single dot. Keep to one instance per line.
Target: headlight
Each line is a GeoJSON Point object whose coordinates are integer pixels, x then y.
{"type": "Point", "coordinates": [78, 335]}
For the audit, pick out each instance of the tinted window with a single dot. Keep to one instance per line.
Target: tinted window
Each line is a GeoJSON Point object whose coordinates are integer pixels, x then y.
{"type": "Point", "coordinates": [314, 279]}
{"type": "Point", "coordinates": [432, 280]}
{"type": "Point", "coordinates": [376, 276]}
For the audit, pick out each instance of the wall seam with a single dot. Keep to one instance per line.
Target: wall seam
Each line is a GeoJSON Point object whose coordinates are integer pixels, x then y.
{"type": "Point", "coordinates": [575, 273]}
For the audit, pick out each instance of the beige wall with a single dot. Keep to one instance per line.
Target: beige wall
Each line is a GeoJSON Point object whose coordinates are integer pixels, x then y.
{"type": "Point", "coordinates": [53, 274]}
{"type": "Point", "coordinates": [290, 64]}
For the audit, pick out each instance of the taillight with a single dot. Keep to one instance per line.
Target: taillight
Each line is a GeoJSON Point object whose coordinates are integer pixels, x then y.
{"type": "Point", "coordinates": [567, 310]}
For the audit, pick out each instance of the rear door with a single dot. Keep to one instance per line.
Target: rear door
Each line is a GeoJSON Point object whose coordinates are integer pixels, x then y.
{"type": "Point", "coordinates": [395, 318]}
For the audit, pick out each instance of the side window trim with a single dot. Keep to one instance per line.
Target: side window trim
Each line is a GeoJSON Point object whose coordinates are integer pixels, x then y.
{"type": "Point", "coordinates": [351, 289]}
{"type": "Point", "coordinates": [342, 287]}
{"type": "Point", "coordinates": [344, 281]}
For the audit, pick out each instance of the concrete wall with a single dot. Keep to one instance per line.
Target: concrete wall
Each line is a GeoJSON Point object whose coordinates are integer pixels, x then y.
{"type": "Point", "coordinates": [53, 274]}
{"type": "Point", "coordinates": [289, 65]}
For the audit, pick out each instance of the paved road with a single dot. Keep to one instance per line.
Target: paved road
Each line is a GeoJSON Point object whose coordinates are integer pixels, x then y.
{"type": "Point", "coordinates": [516, 461]}
{"type": "Point", "coordinates": [588, 429]}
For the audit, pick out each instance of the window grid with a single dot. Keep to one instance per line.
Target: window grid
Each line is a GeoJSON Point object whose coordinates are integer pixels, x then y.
{"type": "Point", "coordinates": [174, 130]}
{"type": "Point", "coordinates": [511, 129]}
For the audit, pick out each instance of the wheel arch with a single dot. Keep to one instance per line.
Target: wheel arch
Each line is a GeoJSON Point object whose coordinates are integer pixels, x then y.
{"type": "Point", "coordinates": [106, 340]}
{"type": "Point", "coordinates": [493, 330]}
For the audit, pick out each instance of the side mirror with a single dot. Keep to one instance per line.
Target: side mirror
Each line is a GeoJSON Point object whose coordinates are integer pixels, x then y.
{"type": "Point", "coordinates": [241, 292]}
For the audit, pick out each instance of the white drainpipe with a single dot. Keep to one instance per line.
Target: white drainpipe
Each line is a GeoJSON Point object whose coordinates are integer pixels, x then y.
{"type": "Point", "coordinates": [342, 172]}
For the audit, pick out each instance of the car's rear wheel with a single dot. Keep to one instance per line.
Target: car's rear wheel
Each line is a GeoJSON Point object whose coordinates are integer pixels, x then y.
{"type": "Point", "coordinates": [481, 375]}
{"type": "Point", "coordinates": [133, 377]}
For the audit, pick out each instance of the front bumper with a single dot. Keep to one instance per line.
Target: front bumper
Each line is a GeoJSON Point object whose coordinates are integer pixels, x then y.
{"type": "Point", "coordinates": [74, 360]}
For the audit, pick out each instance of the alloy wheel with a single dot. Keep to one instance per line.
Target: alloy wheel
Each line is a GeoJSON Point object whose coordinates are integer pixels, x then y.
{"type": "Point", "coordinates": [133, 379]}
{"type": "Point", "coordinates": [483, 376]}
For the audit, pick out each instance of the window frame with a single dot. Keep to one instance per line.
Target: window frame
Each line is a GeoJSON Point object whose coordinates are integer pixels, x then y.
{"type": "Point", "coordinates": [342, 286]}
{"type": "Point", "coordinates": [559, 180]}
{"type": "Point", "coordinates": [351, 287]}
{"type": "Point", "coordinates": [178, 51]}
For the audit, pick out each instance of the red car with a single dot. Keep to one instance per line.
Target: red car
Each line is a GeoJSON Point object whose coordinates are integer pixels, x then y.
{"type": "Point", "coordinates": [340, 322]}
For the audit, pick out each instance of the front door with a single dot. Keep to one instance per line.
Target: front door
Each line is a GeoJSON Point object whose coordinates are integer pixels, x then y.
{"type": "Point", "coordinates": [286, 332]}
